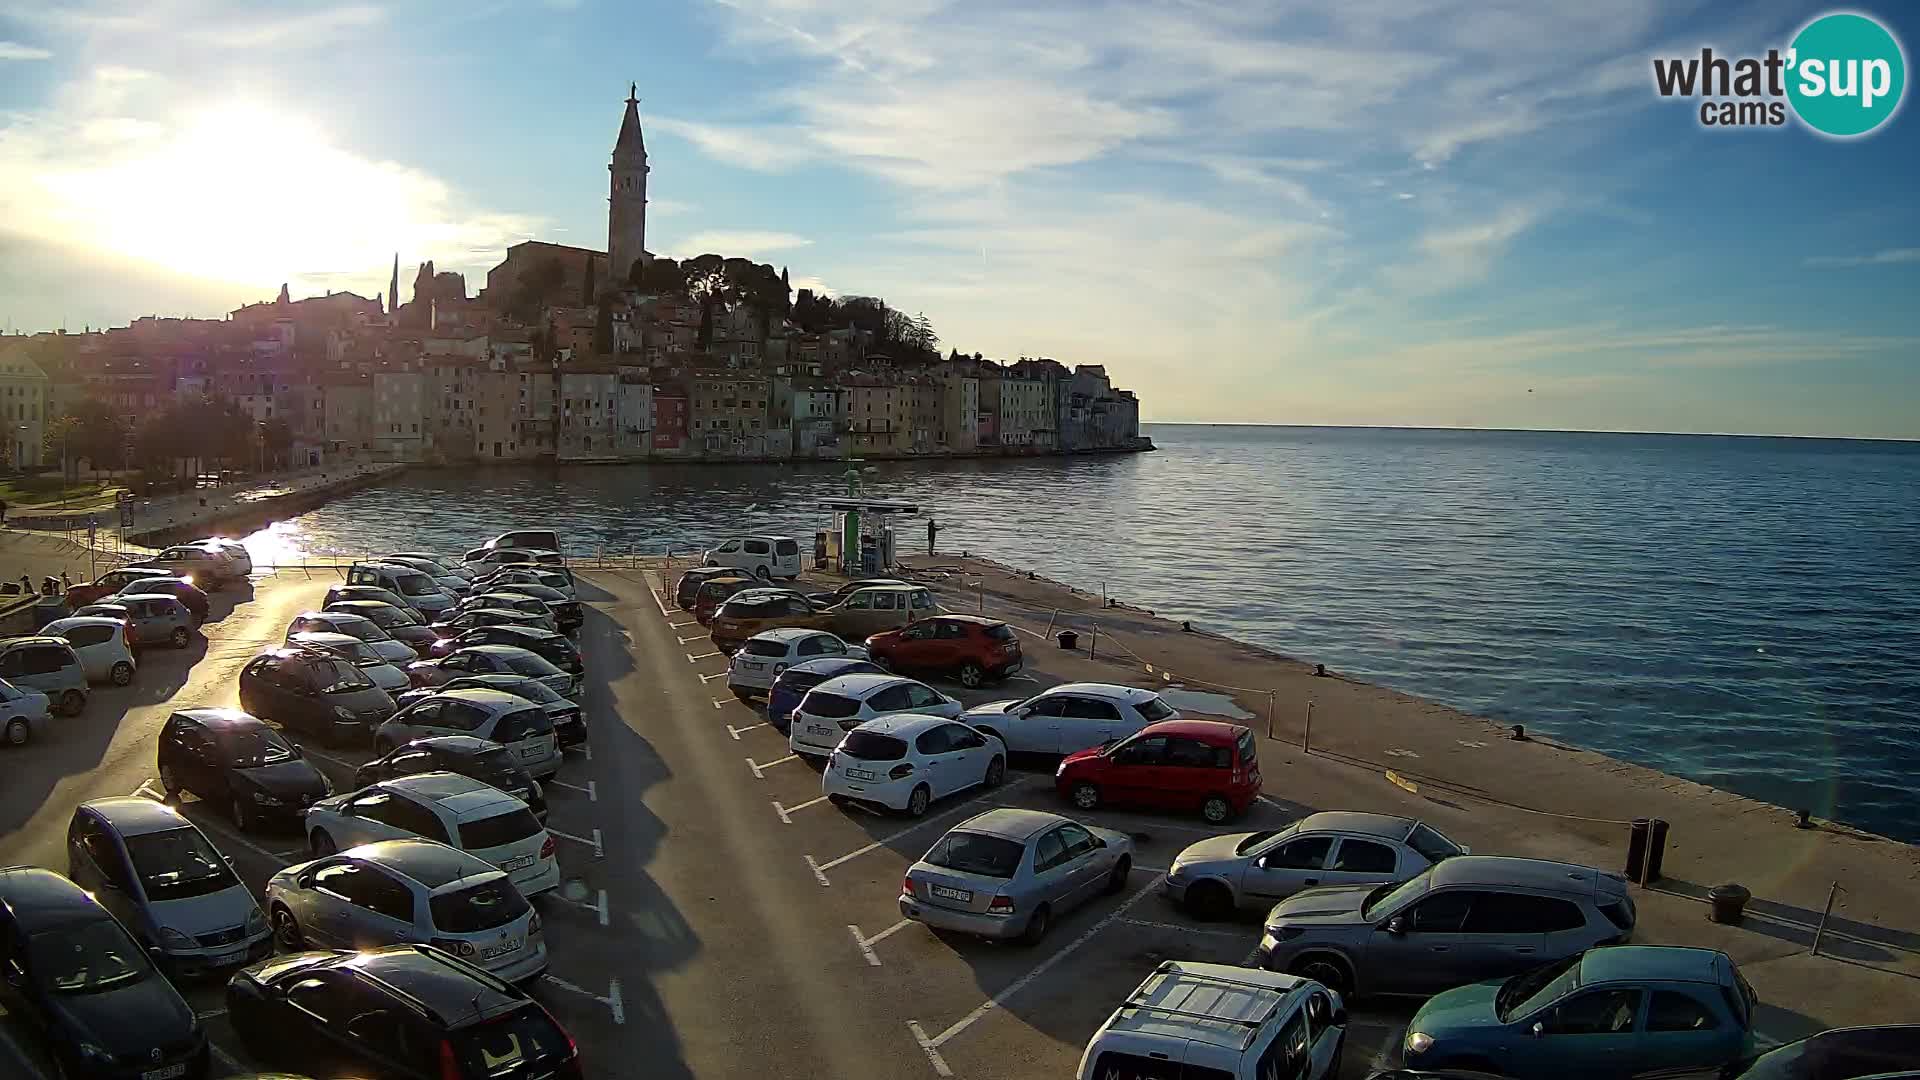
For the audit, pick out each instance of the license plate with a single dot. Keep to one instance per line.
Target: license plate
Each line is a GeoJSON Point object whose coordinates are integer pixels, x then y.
{"type": "Point", "coordinates": [862, 774]}
{"type": "Point", "coordinates": [750, 666]}
{"type": "Point", "coordinates": [819, 729]}
{"type": "Point", "coordinates": [533, 751]}
{"type": "Point", "coordinates": [519, 863]}
{"type": "Point", "coordinates": [167, 1073]}
{"type": "Point", "coordinates": [231, 956]}
{"type": "Point", "coordinates": [502, 949]}
{"type": "Point", "coordinates": [945, 893]}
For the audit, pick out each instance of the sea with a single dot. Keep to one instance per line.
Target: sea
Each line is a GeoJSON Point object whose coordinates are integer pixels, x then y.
{"type": "Point", "coordinates": [1740, 611]}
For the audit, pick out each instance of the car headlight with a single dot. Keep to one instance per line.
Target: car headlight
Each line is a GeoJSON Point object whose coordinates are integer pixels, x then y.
{"type": "Point", "coordinates": [256, 921]}
{"type": "Point", "coordinates": [265, 799]}
{"type": "Point", "coordinates": [169, 938]}
{"type": "Point", "coordinates": [1419, 1042]}
{"type": "Point", "coordinates": [1176, 872]}
{"type": "Point", "coordinates": [341, 712]}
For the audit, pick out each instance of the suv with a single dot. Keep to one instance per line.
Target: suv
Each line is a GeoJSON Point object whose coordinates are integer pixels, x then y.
{"type": "Point", "coordinates": [408, 1012]}
{"type": "Point", "coordinates": [1072, 716]}
{"type": "Point", "coordinates": [971, 649]}
{"type": "Point", "coordinates": [198, 564]}
{"type": "Point", "coordinates": [1187, 765]}
{"type": "Point", "coordinates": [1214, 876]}
{"type": "Point", "coordinates": [751, 611]}
{"type": "Point", "coordinates": [49, 665]}
{"type": "Point", "coordinates": [458, 811]}
{"type": "Point", "coordinates": [1470, 918]}
{"type": "Point", "coordinates": [762, 556]}
{"type": "Point", "coordinates": [1215, 1022]}
{"type": "Point", "coordinates": [689, 584]}
{"type": "Point", "coordinates": [878, 608]}
{"type": "Point", "coordinates": [495, 715]}
{"type": "Point", "coordinates": [155, 619]}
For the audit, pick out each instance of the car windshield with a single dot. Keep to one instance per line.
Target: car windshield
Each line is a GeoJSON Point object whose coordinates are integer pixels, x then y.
{"type": "Point", "coordinates": [1389, 897]}
{"type": "Point", "coordinates": [82, 958]}
{"type": "Point", "coordinates": [1431, 844]}
{"type": "Point", "coordinates": [358, 651]}
{"type": "Point", "coordinates": [252, 747]}
{"type": "Point", "coordinates": [386, 616]}
{"type": "Point", "coordinates": [872, 746]}
{"type": "Point", "coordinates": [1530, 990]}
{"type": "Point", "coordinates": [339, 677]}
{"type": "Point", "coordinates": [526, 663]}
{"type": "Point", "coordinates": [477, 907]}
{"type": "Point", "coordinates": [537, 692]}
{"type": "Point", "coordinates": [759, 647]}
{"type": "Point", "coordinates": [177, 864]}
{"type": "Point", "coordinates": [1254, 840]}
{"type": "Point", "coordinates": [364, 629]}
{"type": "Point", "coordinates": [415, 584]}
{"type": "Point", "coordinates": [977, 853]}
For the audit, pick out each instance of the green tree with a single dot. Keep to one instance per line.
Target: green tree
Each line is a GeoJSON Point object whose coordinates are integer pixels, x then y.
{"type": "Point", "coordinates": [90, 430]}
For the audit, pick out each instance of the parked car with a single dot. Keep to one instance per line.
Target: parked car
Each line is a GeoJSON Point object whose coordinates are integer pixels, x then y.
{"type": "Point", "coordinates": [167, 883]}
{"type": "Point", "coordinates": [766, 557]}
{"type": "Point", "coordinates": [837, 706]}
{"type": "Point", "coordinates": [569, 724]}
{"type": "Point", "coordinates": [1600, 1014]}
{"type": "Point", "coordinates": [904, 762]}
{"type": "Point", "coordinates": [231, 759]}
{"type": "Point", "coordinates": [1008, 874]}
{"type": "Point", "coordinates": [763, 657]}
{"type": "Point", "coordinates": [110, 609]}
{"type": "Point", "coordinates": [551, 645]}
{"type": "Point", "coordinates": [1848, 1053]}
{"type": "Point", "coordinates": [398, 623]}
{"type": "Point", "coordinates": [443, 577]}
{"type": "Point", "coordinates": [792, 684]}
{"type": "Point", "coordinates": [507, 601]}
{"type": "Point", "coordinates": [421, 591]}
{"type": "Point", "coordinates": [1218, 1022]}
{"type": "Point", "coordinates": [399, 892]}
{"type": "Point", "coordinates": [494, 660]}
{"type": "Point", "coordinates": [869, 611]}
{"type": "Point", "coordinates": [73, 973]}
{"type": "Point", "coordinates": [485, 557]}
{"type": "Point", "coordinates": [179, 588]}
{"type": "Point", "coordinates": [319, 693]}
{"type": "Point", "coordinates": [690, 581]}
{"type": "Point", "coordinates": [715, 591]}
{"type": "Point", "coordinates": [455, 624]}
{"type": "Point", "coordinates": [557, 578]}
{"type": "Point", "coordinates": [750, 611]}
{"type": "Point", "coordinates": [455, 810]}
{"type": "Point", "coordinates": [485, 761]}
{"type": "Point", "coordinates": [360, 654]}
{"type": "Point", "coordinates": [235, 550]}
{"type": "Point", "coordinates": [409, 1012]}
{"type": "Point", "coordinates": [49, 665]}
{"type": "Point", "coordinates": [535, 539]}
{"type": "Point", "coordinates": [111, 582]}
{"type": "Point", "coordinates": [1495, 917]}
{"type": "Point", "coordinates": [359, 627]}
{"type": "Point", "coordinates": [828, 599]}
{"type": "Point", "coordinates": [338, 593]}
{"type": "Point", "coordinates": [151, 619]}
{"type": "Point", "coordinates": [21, 712]}
{"type": "Point", "coordinates": [568, 615]}
{"type": "Point", "coordinates": [102, 645]}
{"type": "Point", "coordinates": [513, 722]}
{"type": "Point", "coordinates": [1190, 766]}
{"type": "Point", "coordinates": [207, 568]}
{"type": "Point", "coordinates": [1254, 870]}
{"type": "Point", "coordinates": [971, 649]}
{"type": "Point", "coordinates": [1070, 717]}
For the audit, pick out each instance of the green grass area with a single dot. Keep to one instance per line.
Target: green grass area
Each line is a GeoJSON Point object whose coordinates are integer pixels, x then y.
{"type": "Point", "coordinates": [44, 488]}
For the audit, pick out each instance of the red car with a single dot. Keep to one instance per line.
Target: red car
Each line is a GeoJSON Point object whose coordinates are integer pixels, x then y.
{"type": "Point", "coordinates": [1189, 765]}
{"type": "Point", "coordinates": [972, 649]}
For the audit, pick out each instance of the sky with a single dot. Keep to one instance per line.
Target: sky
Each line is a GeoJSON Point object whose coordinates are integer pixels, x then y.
{"type": "Point", "coordinates": [1396, 212]}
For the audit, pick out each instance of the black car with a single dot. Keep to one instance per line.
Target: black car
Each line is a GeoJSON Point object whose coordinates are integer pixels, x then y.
{"type": "Point", "coordinates": [550, 644]}
{"type": "Point", "coordinates": [406, 1012]}
{"type": "Point", "coordinates": [316, 692]}
{"type": "Point", "coordinates": [178, 588]}
{"type": "Point", "coordinates": [567, 613]}
{"type": "Point", "coordinates": [461, 622]}
{"type": "Point", "coordinates": [232, 759]}
{"type": "Point", "coordinates": [687, 589]}
{"type": "Point", "coordinates": [1836, 1054]}
{"type": "Point", "coordinates": [569, 723]}
{"type": "Point", "coordinates": [398, 624]}
{"type": "Point", "coordinates": [481, 759]}
{"type": "Point", "coordinates": [75, 973]}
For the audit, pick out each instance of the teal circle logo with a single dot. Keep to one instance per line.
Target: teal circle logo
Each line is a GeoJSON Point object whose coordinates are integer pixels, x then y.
{"type": "Point", "coordinates": [1846, 75]}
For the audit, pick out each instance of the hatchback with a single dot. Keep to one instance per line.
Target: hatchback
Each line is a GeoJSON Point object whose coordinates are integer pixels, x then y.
{"type": "Point", "coordinates": [866, 612]}
{"type": "Point", "coordinates": [501, 600]}
{"type": "Point", "coordinates": [487, 762]}
{"type": "Point", "coordinates": [397, 622]}
{"type": "Point", "coordinates": [569, 724]}
{"type": "Point", "coordinates": [48, 665]}
{"type": "Point", "coordinates": [231, 759]}
{"type": "Point", "coordinates": [494, 660]}
{"type": "Point", "coordinates": [444, 577]}
{"type": "Point", "coordinates": [152, 619]}
{"type": "Point", "coordinates": [905, 761]}
{"type": "Point", "coordinates": [1469, 918]}
{"type": "Point", "coordinates": [409, 1012]}
{"type": "Point", "coordinates": [21, 711]}
{"type": "Point", "coordinates": [360, 627]}
{"type": "Point", "coordinates": [971, 649]}
{"type": "Point", "coordinates": [1604, 1013]}
{"type": "Point", "coordinates": [166, 882]}
{"type": "Point", "coordinates": [1183, 765]}
{"type": "Point", "coordinates": [554, 578]}
{"type": "Point", "coordinates": [685, 590]}
{"type": "Point", "coordinates": [337, 593]}
{"type": "Point", "coordinates": [841, 704]}
{"type": "Point", "coordinates": [513, 722]}
{"type": "Point", "coordinates": [1009, 873]}
{"type": "Point", "coordinates": [1253, 870]}
{"type": "Point", "coordinates": [551, 645]}
{"type": "Point", "coordinates": [101, 643]}
{"type": "Point", "coordinates": [315, 692]}
{"type": "Point", "coordinates": [763, 657]}
{"type": "Point", "coordinates": [455, 624]}
{"type": "Point", "coordinates": [1072, 716]}
{"type": "Point", "coordinates": [420, 590]}
{"type": "Point", "coordinates": [76, 974]}
{"type": "Point", "coordinates": [567, 613]}
{"type": "Point", "coordinates": [111, 582]}
{"type": "Point", "coordinates": [180, 589]}
{"type": "Point", "coordinates": [400, 892]}
{"type": "Point", "coordinates": [716, 591]}
{"type": "Point", "coordinates": [792, 684]}
{"type": "Point", "coordinates": [438, 565]}
{"type": "Point", "coordinates": [455, 810]}
{"type": "Point", "coordinates": [360, 654]}
{"type": "Point", "coordinates": [750, 611]}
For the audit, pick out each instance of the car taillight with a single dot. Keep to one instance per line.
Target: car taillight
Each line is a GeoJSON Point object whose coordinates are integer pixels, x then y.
{"type": "Point", "coordinates": [449, 1061]}
{"type": "Point", "coordinates": [533, 922]}
{"type": "Point", "coordinates": [573, 1048]}
{"type": "Point", "coordinates": [900, 772]}
{"type": "Point", "coordinates": [546, 848]}
{"type": "Point", "coordinates": [906, 886]}
{"type": "Point", "coordinates": [1000, 905]}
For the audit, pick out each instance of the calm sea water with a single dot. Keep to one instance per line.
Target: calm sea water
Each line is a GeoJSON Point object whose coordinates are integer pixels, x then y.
{"type": "Point", "coordinates": [1745, 612]}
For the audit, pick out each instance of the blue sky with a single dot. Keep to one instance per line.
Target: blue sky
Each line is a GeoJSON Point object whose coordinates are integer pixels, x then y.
{"type": "Point", "coordinates": [1445, 212]}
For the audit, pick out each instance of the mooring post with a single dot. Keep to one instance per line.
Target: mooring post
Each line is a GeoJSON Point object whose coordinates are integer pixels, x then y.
{"type": "Point", "coordinates": [1306, 734]}
{"type": "Point", "coordinates": [1093, 639]}
{"type": "Point", "coordinates": [1821, 930]}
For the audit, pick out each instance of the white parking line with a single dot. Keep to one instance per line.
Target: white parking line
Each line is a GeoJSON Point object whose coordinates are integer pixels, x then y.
{"type": "Point", "coordinates": [715, 675]}
{"type": "Point", "coordinates": [1151, 925]}
{"type": "Point", "coordinates": [735, 731]}
{"type": "Point", "coordinates": [694, 658]}
{"type": "Point", "coordinates": [818, 874]}
{"type": "Point", "coordinates": [933, 1052]}
{"type": "Point", "coordinates": [599, 852]}
{"type": "Point", "coordinates": [232, 837]}
{"type": "Point", "coordinates": [662, 604]}
{"type": "Point", "coordinates": [866, 944]}
{"type": "Point", "coordinates": [591, 791]}
{"type": "Point", "coordinates": [696, 637]}
{"type": "Point", "coordinates": [783, 811]}
{"type": "Point", "coordinates": [147, 790]}
{"type": "Point", "coordinates": [611, 1001]}
{"type": "Point", "coordinates": [758, 766]}
{"type": "Point", "coordinates": [227, 1061]}
{"type": "Point", "coordinates": [682, 625]}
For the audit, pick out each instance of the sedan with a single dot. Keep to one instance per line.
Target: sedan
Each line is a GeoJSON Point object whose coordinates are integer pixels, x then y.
{"type": "Point", "coordinates": [364, 629]}
{"type": "Point", "coordinates": [1254, 870]}
{"type": "Point", "coordinates": [455, 624]}
{"type": "Point", "coordinates": [395, 621]}
{"type": "Point", "coordinates": [837, 706]}
{"type": "Point", "coordinates": [567, 613]}
{"type": "Point", "coordinates": [905, 762]}
{"type": "Point", "coordinates": [1008, 874]}
{"type": "Point", "coordinates": [1071, 717]}
{"type": "Point", "coordinates": [501, 600]}
{"type": "Point", "coordinates": [551, 645]}
{"type": "Point", "coordinates": [337, 593]}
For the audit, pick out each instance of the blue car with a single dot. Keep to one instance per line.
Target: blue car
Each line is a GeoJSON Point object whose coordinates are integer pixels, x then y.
{"type": "Point", "coordinates": [793, 684]}
{"type": "Point", "coordinates": [1609, 1012]}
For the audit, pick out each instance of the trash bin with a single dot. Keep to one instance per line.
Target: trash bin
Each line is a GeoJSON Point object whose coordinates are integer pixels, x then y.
{"type": "Point", "coordinates": [1069, 639]}
{"type": "Point", "coordinates": [1646, 849]}
{"type": "Point", "coordinates": [1727, 903]}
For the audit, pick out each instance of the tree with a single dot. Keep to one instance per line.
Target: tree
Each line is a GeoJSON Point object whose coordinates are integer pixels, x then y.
{"type": "Point", "coordinates": [90, 430]}
{"type": "Point", "coordinates": [535, 286]}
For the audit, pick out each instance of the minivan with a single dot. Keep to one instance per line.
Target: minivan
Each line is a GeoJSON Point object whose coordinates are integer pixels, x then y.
{"type": "Point", "coordinates": [421, 592]}
{"type": "Point", "coordinates": [761, 556]}
{"type": "Point", "coordinates": [49, 665]}
{"type": "Point", "coordinates": [1184, 765]}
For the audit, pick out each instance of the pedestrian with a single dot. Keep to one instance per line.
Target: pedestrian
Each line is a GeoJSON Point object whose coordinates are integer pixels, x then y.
{"type": "Point", "coordinates": [933, 530]}
{"type": "Point", "coordinates": [65, 582]}
{"type": "Point", "coordinates": [26, 585]}
{"type": "Point", "coordinates": [47, 585]}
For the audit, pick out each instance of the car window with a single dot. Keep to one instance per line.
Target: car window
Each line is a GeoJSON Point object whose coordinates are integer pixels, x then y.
{"type": "Point", "coordinates": [177, 864]}
{"type": "Point", "coordinates": [379, 892]}
{"type": "Point", "coordinates": [1596, 1012]}
{"type": "Point", "coordinates": [525, 1042]}
{"type": "Point", "coordinates": [812, 646]}
{"type": "Point", "coordinates": [106, 857]}
{"type": "Point", "coordinates": [1051, 705]}
{"type": "Point", "coordinates": [886, 600]}
{"type": "Point", "coordinates": [1151, 750]}
{"type": "Point", "coordinates": [501, 829]}
{"type": "Point", "coordinates": [891, 699]}
{"type": "Point", "coordinates": [374, 805]}
{"type": "Point", "coordinates": [920, 696]}
{"type": "Point", "coordinates": [1192, 754]}
{"type": "Point", "coordinates": [410, 762]}
{"type": "Point", "coordinates": [1518, 913]}
{"type": "Point", "coordinates": [1431, 845]}
{"type": "Point", "coordinates": [758, 547]}
{"type": "Point", "coordinates": [1319, 1015]}
{"type": "Point", "coordinates": [1050, 851]}
{"type": "Point", "coordinates": [1077, 840]}
{"type": "Point", "coordinates": [1442, 913]}
{"type": "Point", "coordinates": [84, 636]}
{"type": "Point", "coordinates": [950, 631]}
{"type": "Point", "coordinates": [1287, 1056]}
{"type": "Point", "coordinates": [1671, 1010]}
{"type": "Point", "coordinates": [334, 996]}
{"type": "Point", "coordinates": [859, 601]}
{"type": "Point", "coordinates": [922, 632]}
{"type": "Point", "coordinates": [1363, 857]}
{"type": "Point", "coordinates": [933, 741]}
{"type": "Point", "coordinates": [1306, 853]}
{"type": "Point", "coordinates": [523, 724]}
{"type": "Point", "coordinates": [977, 853]}
{"type": "Point", "coordinates": [922, 600]}
{"type": "Point", "coordinates": [1082, 708]}
{"type": "Point", "coordinates": [463, 716]}
{"type": "Point", "coordinates": [404, 813]}
{"type": "Point", "coordinates": [477, 907]}
{"type": "Point", "coordinates": [46, 660]}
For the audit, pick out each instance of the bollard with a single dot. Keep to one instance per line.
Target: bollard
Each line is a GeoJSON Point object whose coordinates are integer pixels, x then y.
{"type": "Point", "coordinates": [1821, 930]}
{"type": "Point", "coordinates": [1093, 638]}
{"type": "Point", "coordinates": [1306, 736]}
{"type": "Point", "coordinates": [1050, 621]}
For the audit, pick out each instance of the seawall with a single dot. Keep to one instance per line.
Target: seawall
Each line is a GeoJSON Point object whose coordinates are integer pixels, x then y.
{"type": "Point", "coordinates": [186, 521]}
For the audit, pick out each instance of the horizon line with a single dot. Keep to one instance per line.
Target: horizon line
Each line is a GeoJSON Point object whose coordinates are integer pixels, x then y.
{"type": "Point", "coordinates": [1536, 431]}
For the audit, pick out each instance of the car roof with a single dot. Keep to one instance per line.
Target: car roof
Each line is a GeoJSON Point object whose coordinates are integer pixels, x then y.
{"type": "Point", "coordinates": [34, 639]}
{"type": "Point", "coordinates": [532, 633]}
{"type": "Point", "coordinates": [892, 588]}
{"type": "Point", "coordinates": [1132, 695]}
{"type": "Point", "coordinates": [788, 634]}
{"type": "Point", "coordinates": [326, 637]}
{"type": "Point", "coordinates": [826, 665]}
{"type": "Point", "coordinates": [39, 898]}
{"type": "Point", "coordinates": [81, 620]}
{"type": "Point", "coordinates": [336, 614]}
{"type": "Point", "coordinates": [428, 862]}
{"type": "Point", "coordinates": [1213, 1004]}
{"type": "Point", "coordinates": [221, 718]}
{"type": "Point", "coordinates": [982, 620]}
{"type": "Point", "coordinates": [861, 683]}
{"type": "Point", "coordinates": [457, 744]}
{"type": "Point", "coordinates": [127, 598]}
{"type": "Point", "coordinates": [132, 815]}
{"type": "Point", "coordinates": [491, 700]}
{"type": "Point", "coordinates": [451, 990]}
{"type": "Point", "coordinates": [1011, 822]}
{"type": "Point", "coordinates": [902, 724]}
{"type": "Point", "coordinates": [1543, 874]}
{"type": "Point", "coordinates": [354, 611]}
{"type": "Point", "coordinates": [460, 795]}
{"type": "Point", "coordinates": [1651, 963]}
{"type": "Point", "coordinates": [497, 650]}
{"type": "Point", "coordinates": [768, 593]}
{"type": "Point", "coordinates": [1354, 821]}
{"type": "Point", "coordinates": [1196, 729]}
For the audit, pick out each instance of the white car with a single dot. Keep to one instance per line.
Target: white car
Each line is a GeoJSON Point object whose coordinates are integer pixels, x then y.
{"type": "Point", "coordinates": [839, 705]}
{"type": "Point", "coordinates": [1072, 716]}
{"type": "Point", "coordinates": [514, 722]}
{"type": "Point", "coordinates": [21, 712]}
{"type": "Point", "coordinates": [904, 762]}
{"type": "Point", "coordinates": [762, 657]}
{"type": "Point", "coordinates": [210, 568]}
{"type": "Point", "coordinates": [400, 892]}
{"type": "Point", "coordinates": [101, 644]}
{"type": "Point", "coordinates": [761, 556]}
{"type": "Point", "coordinates": [385, 673]}
{"type": "Point", "coordinates": [455, 810]}
{"type": "Point", "coordinates": [233, 549]}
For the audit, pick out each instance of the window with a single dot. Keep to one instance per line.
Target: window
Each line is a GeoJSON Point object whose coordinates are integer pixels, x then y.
{"type": "Point", "coordinates": [1191, 754]}
{"type": "Point", "coordinates": [892, 699]}
{"type": "Point", "coordinates": [920, 697]}
{"type": "Point", "coordinates": [1081, 708]}
{"type": "Point", "coordinates": [1597, 1012]}
{"type": "Point", "coordinates": [1364, 857]}
{"type": "Point", "coordinates": [1672, 1010]}
{"type": "Point", "coordinates": [885, 601]}
{"type": "Point", "coordinates": [1078, 840]}
{"type": "Point", "coordinates": [46, 660]}
{"type": "Point", "coordinates": [1287, 1057]}
{"type": "Point", "coordinates": [1154, 710]}
{"type": "Point", "coordinates": [406, 814]}
{"type": "Point", "coordinates": [1517, 913]}
{"type": "Point", "coordinates": [1148, 751]}
{"type": "Point", "coordinates": [1050, 852]}
{"type": "Point", "coordinates": [1442, 913]}
{"type": "Point", "coordinates": [379, 893]}
{"type": "Point", "coordinates": [1306, 853]}
{"type": "Point", "coordinates": [1431, 845]}
{"type": "Point", "coordinates": [81, 637]}
{"type": "Point", "coordinates": [508, 828]}
{"type": "Point", "coordinates": [934, 741]}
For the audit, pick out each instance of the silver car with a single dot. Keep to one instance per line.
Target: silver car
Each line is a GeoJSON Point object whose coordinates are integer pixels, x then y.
{"type": "Point", "coordinates": [167, 883]}
{"type": "Point", "coordinates": [1007, 874]}
{"type": "Point", "coordinates": [400, 892]}
{"type": "Point", "coordinates": [494, 660]}
{"type": "Point", "coordinates": [385, 673]}
{"type": "Point", "coordinates": [495, 715]}
{"type": "Point", "coordinates": [152, 619]}
{"type": "Point", "coordinates": [354, 626]}
{"type": "Point", "coordinates": [1253, 870]}
{"type": "Point", "coordinates": [1469, 919]}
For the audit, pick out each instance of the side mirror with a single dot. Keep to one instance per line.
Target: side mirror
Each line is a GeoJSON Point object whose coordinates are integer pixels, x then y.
{"type": "Point", "coordinates": [1538, 1029]}
{"type": "Point", "coordinates": [1099, 841]}
{"type": "Point", "coordinates": [1397, 925]}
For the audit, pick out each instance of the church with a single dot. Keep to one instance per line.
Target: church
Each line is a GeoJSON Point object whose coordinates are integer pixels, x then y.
{"type": "Point", "coordinates": [626, 224]}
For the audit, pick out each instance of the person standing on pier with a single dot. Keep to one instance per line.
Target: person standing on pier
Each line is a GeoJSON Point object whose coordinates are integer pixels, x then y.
{"type": "Point", "coordinates": [933, 529]}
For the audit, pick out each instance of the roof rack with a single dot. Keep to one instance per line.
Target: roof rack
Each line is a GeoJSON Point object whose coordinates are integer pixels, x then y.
{"type": "Point", "coordinates": [1251, 1024]}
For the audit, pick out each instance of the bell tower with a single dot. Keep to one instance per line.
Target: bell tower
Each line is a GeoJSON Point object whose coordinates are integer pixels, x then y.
{"type": "Point", "coordinates": [627, 197]}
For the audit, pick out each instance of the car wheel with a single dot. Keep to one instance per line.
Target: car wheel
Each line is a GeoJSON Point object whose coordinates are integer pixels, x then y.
{"type": "Point", "coordinates": [322, 844]}
{"type": "Point", "coordinates": [17, 732]}
{"type": "Point", "coordinates": [1216, 809]}
{"type": "Point", "coordinates": [1037, 925]}
{"type": "Point", "coordinates": [917, 802]}
{"type": "Point", "coordinates": [179, 637]}
{"type": "Point", "coordinates": [1118, 879]}
{"type": "Point", "coordinates": [242, 815]}
{"type": "Point", "coordinates": [121, 674]}
{"type": "Point", "coordinates": [1328, 971]}
{"type": "Point", "coordinates": [73, 702]}
{"type": "Point", "coordinates": [840, 801]}
{"type": "Point", "coordinates": [763, 574]}
{"type": "Point", "coordinates": [169, 781]}
{"type": "Point", "coordinates": [1208, 900]}
{"type": "Point", "coordinates": [286, 930]}
{"type": "Point", "coordinates": [745, 697]}
{"type": "Point", "coordinates": [996, 772]}
{"type": "Point", "coordinates": [1085, 796]}
{"type": "Point", "coordinates": [971, 676]}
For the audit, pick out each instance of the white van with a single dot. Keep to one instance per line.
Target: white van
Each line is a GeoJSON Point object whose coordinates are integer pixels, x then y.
{"type": "Point", "coordinates": [761, 556]}
{"type": "Point", "coordinates": [1218, 1020]}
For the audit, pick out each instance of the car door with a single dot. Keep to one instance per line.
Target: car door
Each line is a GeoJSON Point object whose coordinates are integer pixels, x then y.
{"type": "Point", "coordinates": [942, 760]}
{"type": "Point", "coordinates": [1588, 1035]}
{"type": "Point", "coordinates": [379, 910]}
{"type": "Point", "coordinates": [408, 763]}
{"type": "Point", "coordinates": [99, 867]}
{"type": "Point", "coordinates": [971, 753]}
{"type": "Point", "coordinates": [326, 900]}
{"type": "Point", "coordinates": [364, 820]}
{"type": "Point", "coordinates": [853, 616]}
{"type": "Point", "coordinates": [1133, 771]}
{"type": "Point", "coordinates": [1361, 861]}
{"type": "Point", "coordinates": [423, 720]}
{"type": "Point", "coordinates": [1323, 1036]}
{"type": "Point", "coordinates": [202, 765]}
{"type": "Point", "coordinates": [1192, 771]}
{"type": "Point", "coordinates": [1297, 863]}
{"type": "Point", "coordinates": [1086, 870]}
{"type": "Point", "coordinates": [1417, 950]}
{"type": "Point", "coordinates": [13, 667]}
{"type": "Point", "coordinates": [1503, 934]}
{"type": "Point", "coordinates": [1687, 1027]}
{"type": "Point", "coordinates": [918, 649]}
{"type": "Point", "coordinates": [1087, 722]}
{"type": "Point", "coordinates": [1034, 728]}
{"type": "Point", "coordinates": [1052, 874]}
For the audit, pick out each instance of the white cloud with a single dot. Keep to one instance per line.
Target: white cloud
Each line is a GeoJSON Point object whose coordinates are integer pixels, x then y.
{"type": "Point", "coordinates": [742, 244]}
{"type": "Point", "coordinates": [1888, 257]}
{"type": "Point", "coordinates": [307, 29]}
{"type": "Point", "coordinates": [13, 50]}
